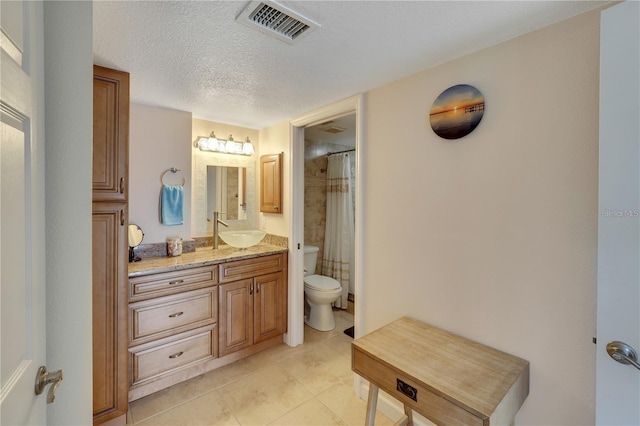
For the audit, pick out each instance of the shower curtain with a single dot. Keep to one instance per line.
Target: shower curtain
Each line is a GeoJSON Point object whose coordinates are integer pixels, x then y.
{"type": "Point", "coordinates": [339, 229]}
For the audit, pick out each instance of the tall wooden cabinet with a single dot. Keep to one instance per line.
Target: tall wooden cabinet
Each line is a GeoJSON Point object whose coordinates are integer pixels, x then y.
{"type": "Point", "coordinates": [110, 247]}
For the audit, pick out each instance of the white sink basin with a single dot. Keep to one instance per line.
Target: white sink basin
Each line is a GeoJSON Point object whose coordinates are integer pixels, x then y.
{"type": "Point", "coordinates": [242, 239]}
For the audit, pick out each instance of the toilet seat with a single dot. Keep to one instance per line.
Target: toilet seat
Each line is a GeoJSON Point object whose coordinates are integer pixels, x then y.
{"type": "Point", "coordinates": [321, 283]}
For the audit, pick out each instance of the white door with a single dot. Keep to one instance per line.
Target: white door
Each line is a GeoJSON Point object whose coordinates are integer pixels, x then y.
{"type": "Point", "coordinates": [618, 385]}
{"type": "Point", "coordinates": [22, 290]}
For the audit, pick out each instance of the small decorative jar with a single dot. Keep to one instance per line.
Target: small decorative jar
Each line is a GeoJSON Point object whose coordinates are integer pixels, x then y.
{"type": "Point", "coordinates": [174, 246]}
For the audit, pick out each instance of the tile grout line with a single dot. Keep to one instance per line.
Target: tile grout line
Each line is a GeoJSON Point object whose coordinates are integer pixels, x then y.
{"type": "Point", "coordinates": [172, 407]}
{"type": "Point", "coordinates": [214, 389]}
{"type": "Point", "coordinates": [229, 408]}
{"type": "Point", "coordinates": [336, 414]}
{"type": "Point", "coordinates": [323, 344]}
{"type": "Point", "coordinates": [294, 408]}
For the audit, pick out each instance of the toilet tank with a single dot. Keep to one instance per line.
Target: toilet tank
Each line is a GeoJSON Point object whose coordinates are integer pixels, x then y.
{"type": "Point", "coordinates": [310, 258]}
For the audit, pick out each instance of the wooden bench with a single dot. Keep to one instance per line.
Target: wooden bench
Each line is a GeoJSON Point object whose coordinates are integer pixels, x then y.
{"type": "Point", "coordinates": [446, 378]}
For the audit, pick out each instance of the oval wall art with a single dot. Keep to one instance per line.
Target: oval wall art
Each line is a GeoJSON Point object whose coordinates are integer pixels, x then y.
{"type": "Point", "coordinates": [457, 111]}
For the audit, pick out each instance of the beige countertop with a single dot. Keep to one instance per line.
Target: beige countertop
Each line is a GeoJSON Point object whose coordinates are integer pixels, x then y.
{"type": "Point", "coordinates": [201, 257]}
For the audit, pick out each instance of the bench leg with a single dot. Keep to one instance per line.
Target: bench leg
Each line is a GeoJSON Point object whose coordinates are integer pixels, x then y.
{"type": "Point", "coordinates": [409, 413]}
{"type": "Point", "coordinates": [372, 402]}
{"type": "Point", "coordinates": [407, 419]}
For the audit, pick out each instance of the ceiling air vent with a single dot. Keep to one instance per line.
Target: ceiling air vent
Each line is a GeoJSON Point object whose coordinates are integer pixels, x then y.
{"type": "Point", "coordinates": [333, 129]}
{"type": "Point", "coordinates": [276, 20]}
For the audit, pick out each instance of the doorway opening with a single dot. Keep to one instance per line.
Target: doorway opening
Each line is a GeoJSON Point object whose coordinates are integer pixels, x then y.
{"type": "Point", "coordinates": [339, 115]}
{"type": "Point", "coordinates": [329, 215]}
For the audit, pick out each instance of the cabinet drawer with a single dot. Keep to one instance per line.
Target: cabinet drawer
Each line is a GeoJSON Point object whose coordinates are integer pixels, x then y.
{"type": "Point", "coordinates": [441, 410]}
{"type": "Point", "coordinates": [249, 268]}
{"type": "Point", "coordinates": [155, 285]}
{"type": "Point", "coordinates": [173, 354]}
{"type": "Point", "coordinates": [163, 316]}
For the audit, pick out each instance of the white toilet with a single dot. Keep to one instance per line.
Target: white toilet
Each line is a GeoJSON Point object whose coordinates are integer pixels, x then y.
{"type": "Point", "coordinates": [319, 293]}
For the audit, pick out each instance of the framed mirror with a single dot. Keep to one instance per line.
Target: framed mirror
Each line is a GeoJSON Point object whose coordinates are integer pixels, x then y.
{"type": "Point", "coordinates": [135, 237]}
{"type": "Point", "coordinates": [227, 192]}
{"type": "Point", "coordinates": [225, 185]}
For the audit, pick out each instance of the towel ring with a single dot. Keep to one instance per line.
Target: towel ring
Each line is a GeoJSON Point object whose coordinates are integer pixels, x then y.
{"type": "Point", "coordinates": [172, 170]}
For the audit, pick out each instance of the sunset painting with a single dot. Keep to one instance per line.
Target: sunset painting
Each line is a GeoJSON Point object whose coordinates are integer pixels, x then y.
{"type": "Point", "coordinates": [457, 111]}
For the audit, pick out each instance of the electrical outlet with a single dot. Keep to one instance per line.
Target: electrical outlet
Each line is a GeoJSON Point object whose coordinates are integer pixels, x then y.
{"type": "Point", "coordinates": [264, 222]}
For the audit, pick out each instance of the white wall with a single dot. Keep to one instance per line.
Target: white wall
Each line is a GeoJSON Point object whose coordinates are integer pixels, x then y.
{"type": "Point", "coordinates": [162, 138]}
{"type": "Point", "coordinates": [273, 140]}
{"type": "Point", "coordinates": [68, 132]}
{"type": "Point", "coordinates": [498, 240]}
{"type": "Point", "coordinates": [159, 139]}
{"type": "Point", "coordinates": [204, 128]}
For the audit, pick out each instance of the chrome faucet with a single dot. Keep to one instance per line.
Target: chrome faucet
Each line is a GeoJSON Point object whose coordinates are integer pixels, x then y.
{"type": "Point", "coordinates": [217, 221]}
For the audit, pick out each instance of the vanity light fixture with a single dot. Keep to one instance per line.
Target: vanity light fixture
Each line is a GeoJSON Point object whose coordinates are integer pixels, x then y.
{"type": "Point", "coordinates": [233, 147]}
{"type": "Point", "coordinates": [229, 146]}
{"type": "Point", "coordinates": [247, 147]}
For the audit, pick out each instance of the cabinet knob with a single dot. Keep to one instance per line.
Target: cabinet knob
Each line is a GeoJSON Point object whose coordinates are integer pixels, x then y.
{"type": "Point", "coordinates": [122, 185]}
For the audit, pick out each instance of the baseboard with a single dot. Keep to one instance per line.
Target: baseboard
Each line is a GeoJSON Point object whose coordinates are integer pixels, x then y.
{"type": "Point", "coordinates": [387, 405]}
{"type": "Point", "coordinates": [351, 303]}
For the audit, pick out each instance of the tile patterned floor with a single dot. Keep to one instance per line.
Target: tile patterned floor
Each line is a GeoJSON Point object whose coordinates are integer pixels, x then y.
{"type": "Point", "coordinates": [311, 384]}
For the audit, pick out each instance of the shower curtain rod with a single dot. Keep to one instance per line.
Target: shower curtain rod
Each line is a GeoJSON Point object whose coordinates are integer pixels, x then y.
{"type": "Point", "coordinates": [340, 152]}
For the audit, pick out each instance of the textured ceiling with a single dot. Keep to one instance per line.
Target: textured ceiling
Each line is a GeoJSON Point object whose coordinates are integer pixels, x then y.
{"type": "Point", "coordinates": [194, 56]}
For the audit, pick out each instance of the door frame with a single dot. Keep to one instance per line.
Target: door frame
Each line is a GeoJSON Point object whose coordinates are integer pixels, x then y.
{"type": "Point", "coordinates": [617, 385]}
{"type": "Point", "coordinates": [354, 104]}
{"type": "Point", "coordinates": [68, 50]}
{"type": "Point", "coordinates": [61, 209]}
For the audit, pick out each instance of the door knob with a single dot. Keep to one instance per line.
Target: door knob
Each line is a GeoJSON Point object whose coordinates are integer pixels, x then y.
{"type": "Point", "coordinates": [623, 353]}
{"type": "Point", "coordinates": [43, 378]}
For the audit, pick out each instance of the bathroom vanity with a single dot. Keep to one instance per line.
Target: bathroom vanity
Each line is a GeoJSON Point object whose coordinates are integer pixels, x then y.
{"type": "Point", "coordinates": [196, 312]}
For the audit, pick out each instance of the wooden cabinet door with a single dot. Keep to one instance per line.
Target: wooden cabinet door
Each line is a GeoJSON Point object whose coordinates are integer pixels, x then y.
{"type": "Point", "coordinates": [110, 134]}
{"type": "Point", "coordinates": [236, 316]}
{"type": "Point", "coordinates": [271, 183]}
{"type": "Point", "coordinates": [269, 306]}
{"type": "Point", "coordinates": [109, 283]}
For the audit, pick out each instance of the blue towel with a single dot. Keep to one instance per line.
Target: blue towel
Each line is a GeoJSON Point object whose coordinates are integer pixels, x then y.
{"type": "Point", "coordinates": [171, 204]}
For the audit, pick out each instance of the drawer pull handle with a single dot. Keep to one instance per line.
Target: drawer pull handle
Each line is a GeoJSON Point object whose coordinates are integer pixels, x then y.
{"type": "Point", "coordinates": [178, 355]}
{"type": "Point", "coordinates": [177, 314]}
{"type": "Point", "coordinates": [407, 389]}
{"type": "Point", "coordinates": [176, 282]}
